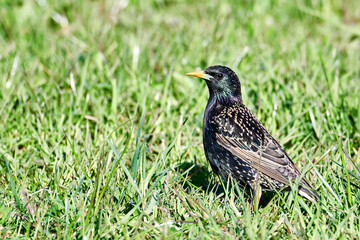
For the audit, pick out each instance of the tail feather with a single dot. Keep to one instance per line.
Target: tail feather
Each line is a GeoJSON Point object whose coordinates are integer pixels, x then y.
{"type": "Point", "coordinates": [309, 193]}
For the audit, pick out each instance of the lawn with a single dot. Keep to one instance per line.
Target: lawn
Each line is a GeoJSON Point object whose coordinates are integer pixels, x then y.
{"type": "Point", "coordinates": [101, 131]}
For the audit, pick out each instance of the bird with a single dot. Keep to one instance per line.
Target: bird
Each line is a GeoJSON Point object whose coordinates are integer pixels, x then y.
{"type": "Point", "coordinates": [238, 146]}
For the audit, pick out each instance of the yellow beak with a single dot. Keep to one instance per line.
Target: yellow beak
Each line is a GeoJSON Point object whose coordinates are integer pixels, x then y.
{"type": "Point", "coordinates": [199, 74]}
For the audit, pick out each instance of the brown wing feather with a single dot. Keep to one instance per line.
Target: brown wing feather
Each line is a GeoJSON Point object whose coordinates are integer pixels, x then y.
{"type": "Point", "coordinates": [270, 165]}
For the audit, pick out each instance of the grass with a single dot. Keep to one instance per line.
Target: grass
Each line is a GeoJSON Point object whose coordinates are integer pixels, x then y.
{"type": "Point", "coordinates": [100, 131]}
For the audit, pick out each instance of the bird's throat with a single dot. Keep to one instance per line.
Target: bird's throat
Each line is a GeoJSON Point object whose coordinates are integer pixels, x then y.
{"type": "Point", "coordinates": [224, 98]}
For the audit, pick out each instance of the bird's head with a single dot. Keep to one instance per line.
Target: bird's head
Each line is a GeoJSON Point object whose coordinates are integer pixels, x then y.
{"type": "Point", "coordinates": [221, 81]}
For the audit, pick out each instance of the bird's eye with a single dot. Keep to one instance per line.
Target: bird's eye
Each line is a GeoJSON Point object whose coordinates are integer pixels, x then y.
{"type": "Point", "coordinates": [219, 76]}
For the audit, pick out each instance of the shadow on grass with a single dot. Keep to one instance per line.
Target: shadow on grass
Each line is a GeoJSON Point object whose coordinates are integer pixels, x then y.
{"type": "Point", "coordinates": [201, 177]}
{"type": "Point", "coordinates": [197, 175]}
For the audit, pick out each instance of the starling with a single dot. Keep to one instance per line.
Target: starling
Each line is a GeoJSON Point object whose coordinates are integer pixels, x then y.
{"type": "Point", "coordinates": [237, 145]}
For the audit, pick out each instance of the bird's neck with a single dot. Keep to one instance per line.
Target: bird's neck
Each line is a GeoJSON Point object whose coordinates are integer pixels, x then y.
{"type": "Point", "coordinates": [224, 99]}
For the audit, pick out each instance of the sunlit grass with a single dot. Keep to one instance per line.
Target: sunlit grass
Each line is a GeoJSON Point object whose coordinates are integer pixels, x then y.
{"type": "Point", "coordinates": [100, 130]}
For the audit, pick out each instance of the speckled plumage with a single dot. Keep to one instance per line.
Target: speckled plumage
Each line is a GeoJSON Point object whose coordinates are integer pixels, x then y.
{"type": "Point", "coordinates": [236, 144]}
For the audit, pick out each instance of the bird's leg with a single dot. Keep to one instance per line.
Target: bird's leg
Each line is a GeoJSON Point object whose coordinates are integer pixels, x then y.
{"type": "Point", "coordinates": [257, 196]}
{"type": "Point", "coordinates": [257, 193]}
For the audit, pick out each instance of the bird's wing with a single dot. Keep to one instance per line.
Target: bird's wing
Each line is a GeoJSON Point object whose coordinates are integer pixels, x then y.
{"type": "Point", "coordinates": [270, 160]}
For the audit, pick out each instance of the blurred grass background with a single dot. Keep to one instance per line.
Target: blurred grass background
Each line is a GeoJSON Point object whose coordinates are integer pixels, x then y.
{"type": "Point", "coordinates": [100, 131]}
